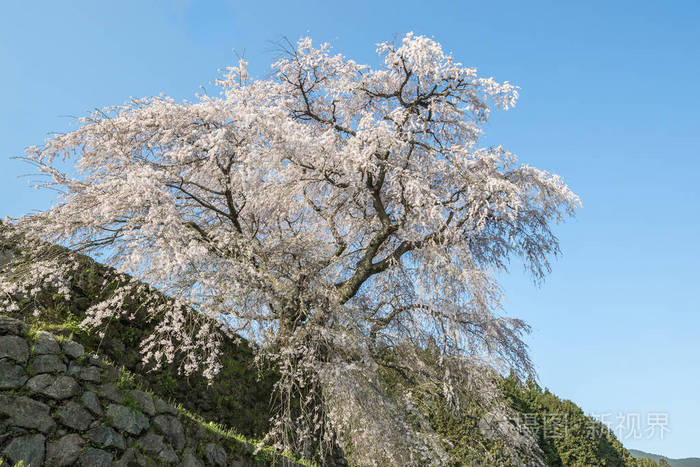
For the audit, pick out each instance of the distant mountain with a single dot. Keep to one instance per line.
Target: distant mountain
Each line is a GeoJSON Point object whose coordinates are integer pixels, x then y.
{"type": "Point", "coordinates": [687, 462]}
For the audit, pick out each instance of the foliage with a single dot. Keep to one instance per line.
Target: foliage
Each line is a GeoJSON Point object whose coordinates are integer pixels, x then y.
{"type": "Point", "coordinates": [564, 433]}
{"type": "Point", "coordinates": [645, 457]}
{"type": "Point", "coordinates": [328, 214]}
{"type": "Point", "coordinates": [236, 397]}
{"type": "Point", "coordinates": [464, 433]}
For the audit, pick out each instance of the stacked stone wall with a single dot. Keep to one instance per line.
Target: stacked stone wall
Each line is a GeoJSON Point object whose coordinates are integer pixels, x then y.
{"type": "Point", "coordinates": [60, 406]}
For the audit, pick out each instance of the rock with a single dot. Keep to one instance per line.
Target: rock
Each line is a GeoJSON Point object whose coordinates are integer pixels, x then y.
{"type": "Point", "coordinates": [29, 449]}
{"type": "Point", "coordinates": [75, 416]}
{"type": "Point", "coordinates": [126, 419]}
{"type": "Point", "coordinates": [131, 458]}
{"type": "Point", "coordinates": [47, 364]}
{"type": "Point", "coordinates": [144, 401]}
{"type": "Point", "coordinates": [3, 437]}
{"type": "Point", "coordinates": [56, 387]}
{"type": "Point", "coordinates": [215, 454]}
{"type": "Point", "coordinates": [91, 373]}
{"type": "Point", "coordinates": [72, 348]}
{"type": "Point", "coordinates": [40, 382]}
{"type": "Point", "coordinates": [46, 343]}
{"type": "Point", "coordinates": [94, 359]}
{"type": "Point", "coordinates": [27, 413]}
{"type": "Point", "coordinates": [92, 403]}
{"type": "Point", "coordinates": [74, 369]}
{"type": "Point", "coordinates": [151, 443]}
{"type": "Point", "coordinates": [64, 451]}
{"type": "Point", "coordinates": [12, 376]}
{"type": "Point", "coordinates": [63, 388]}
{"type": "Point", "coordinates": [110, 392]}
{"type": "Point", "coordinates": [190, 460]}
{"type": "Point", "coordinates": [169, 456]}
{"type": "Point", "coordinates": [92, 457]}
{"type": "Point", "coordinates": [15, 348]}
{"type": "Point", "coordinates": [12, 326]}
{"type": "Point", "coordinates": [106, 437]}
{"type": "Point", "coordinates": [172, 429]}
{"type": "Point", "coordinates": [163, 407]}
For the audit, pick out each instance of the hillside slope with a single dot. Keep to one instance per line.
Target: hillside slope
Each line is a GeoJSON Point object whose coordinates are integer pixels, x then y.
{"type": "Point", "coordinates": [685, 462]}
{"type": "Point", "coordinates": [234, 410]}
{"type": "Point", "coordinates": [62, 406]}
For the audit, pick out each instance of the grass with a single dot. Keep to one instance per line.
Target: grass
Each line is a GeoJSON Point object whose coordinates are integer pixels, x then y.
{"type": "Point", "coordinates": [235, 442]}
{"type": "Point", "coordinates": [236, 404]}
{"type": "Point", "coordinates": [129, 402]}
{"type": "Point", "coordinates": [240, 444]}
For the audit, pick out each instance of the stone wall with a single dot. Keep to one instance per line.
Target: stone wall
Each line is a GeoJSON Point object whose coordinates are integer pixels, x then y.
{"type": "Point", "coordinates": [60, 406]}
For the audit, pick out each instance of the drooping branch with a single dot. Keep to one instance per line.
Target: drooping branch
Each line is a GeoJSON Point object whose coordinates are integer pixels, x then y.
{"type": "Point", "coordinates": [295, 208]}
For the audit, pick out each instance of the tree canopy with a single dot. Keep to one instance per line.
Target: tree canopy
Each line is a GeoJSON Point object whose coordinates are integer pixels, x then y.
{"type": "Point", "coordinates": [342, 217]}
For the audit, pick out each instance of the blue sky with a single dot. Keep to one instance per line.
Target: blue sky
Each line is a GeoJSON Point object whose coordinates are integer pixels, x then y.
{"type": "Point", "coordinates": [609, 100]}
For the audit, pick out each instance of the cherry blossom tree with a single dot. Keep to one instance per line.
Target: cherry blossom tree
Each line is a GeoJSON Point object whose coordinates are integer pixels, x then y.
{"type": "Point", "coordinates": [334, 214]}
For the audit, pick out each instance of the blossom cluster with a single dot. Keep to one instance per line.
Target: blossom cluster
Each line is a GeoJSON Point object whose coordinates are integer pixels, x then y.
{"type": "Point", "coordinates": [332, 207]}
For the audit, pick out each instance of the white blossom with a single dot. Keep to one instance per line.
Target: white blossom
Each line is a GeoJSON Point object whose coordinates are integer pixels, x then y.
{"type": "Point", "coordinates": [329, 213]}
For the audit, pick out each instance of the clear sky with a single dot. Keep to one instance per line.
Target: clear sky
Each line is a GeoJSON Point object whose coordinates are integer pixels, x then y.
{"type": "Point", "coordinates": [610, 98]}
